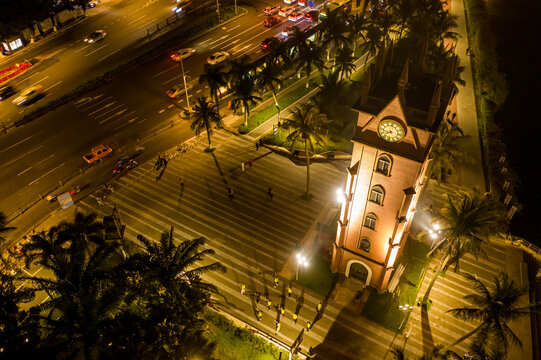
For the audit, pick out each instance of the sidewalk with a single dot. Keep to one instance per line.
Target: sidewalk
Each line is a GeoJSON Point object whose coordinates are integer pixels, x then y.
{"type": "Point", "coordinates": [472, 174]}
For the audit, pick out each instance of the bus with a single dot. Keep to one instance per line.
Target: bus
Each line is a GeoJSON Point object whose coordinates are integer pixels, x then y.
{"type": "Point", "coordinates": [331, 7]}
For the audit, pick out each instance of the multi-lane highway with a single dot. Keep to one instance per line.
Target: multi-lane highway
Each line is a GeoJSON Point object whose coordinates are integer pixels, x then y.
{"type": "Point", "coordinates": [63, 60]}
{"type": "Point", "coordinates": [36, 156]}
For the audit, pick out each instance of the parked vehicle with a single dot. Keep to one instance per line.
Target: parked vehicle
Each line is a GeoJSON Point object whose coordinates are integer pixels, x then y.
{"type": "Point", "coordinates": [28, 95]}
{"type": "Point", "coordinates": [271, 21]}
{"type": "Point", "coordinates": [95, 36]}
{"type": "Point", "coordinates": [97, 153]}
{"type": "Point", "coordinates": [182, 54]}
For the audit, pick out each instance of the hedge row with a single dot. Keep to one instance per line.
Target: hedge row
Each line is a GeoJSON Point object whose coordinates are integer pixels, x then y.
{"type": "Point", "coordinates": [210, 22]}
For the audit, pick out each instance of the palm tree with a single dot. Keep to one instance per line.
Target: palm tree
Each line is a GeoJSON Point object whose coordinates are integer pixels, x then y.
{"type": "Point", "coordinates": [214, 76]}
{"type": "Point", "coordinates": [447, 152]}
{"type": "Point", "coordinates": [357, 25]}
{"type": "Point", "coordinates": [309, 57]}
{"type": "Point", "coordinates": [268, 80]}
{"type": "Point", "coordinates": [466, 220]}
{"type": "Point", "coordinates": [3, 226]}
{"type": "Point", "coordinates": [298, 39]}
{"type": "Point", "coordinates": [330, 91]}
{"type": "Point", "coordinates": [244, 96]}
{"type": "Point", "coordinates": [240, 69]}
{"type": "Point", "coordinates": [205, 117]}
{"type": "Point", "coordinates": [404, 11]}
{"type": "Point", "coordinates": [308, 123]}
{"type": "Point", "coordinates": [494, 308]}
{"type": "Point", "coordinates": [374, 37]}
{"type": "Point", "coordinates": [344, 62]}
{"type": "Point", "coordinates": [334, 30]}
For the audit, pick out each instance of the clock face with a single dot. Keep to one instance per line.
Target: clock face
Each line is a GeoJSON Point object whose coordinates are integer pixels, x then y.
{"type": "Point", "coordinates": [391, 131]}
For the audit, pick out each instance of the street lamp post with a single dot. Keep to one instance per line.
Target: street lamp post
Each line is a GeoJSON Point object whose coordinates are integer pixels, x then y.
{"type": "Point", "coordinates": [301, 260]}
{"type": "Point", "coordinates": [218, 9]}
{"type": "Point", "coordinates": [185, 86]}
{"type": "Point", "coordinates": [235, 7]}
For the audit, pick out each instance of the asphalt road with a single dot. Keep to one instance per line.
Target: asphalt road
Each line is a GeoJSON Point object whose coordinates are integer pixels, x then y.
{"type": "Point", "coordinates": [63, 60]}
{"type": "Point", "coordinates": [123, 113]}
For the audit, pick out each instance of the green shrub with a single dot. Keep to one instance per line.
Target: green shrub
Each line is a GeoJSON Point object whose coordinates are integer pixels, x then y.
{"type": "Point", "coordinates": [244, 129]}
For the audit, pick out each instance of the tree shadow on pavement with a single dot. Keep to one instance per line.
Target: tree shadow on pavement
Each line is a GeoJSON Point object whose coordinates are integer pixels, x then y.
{"type": "Point", "coordinates": [428, 341]}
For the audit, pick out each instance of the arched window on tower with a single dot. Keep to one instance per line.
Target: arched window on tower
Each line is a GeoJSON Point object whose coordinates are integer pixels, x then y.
{"type": "Point", "coordinates": [364, 244]}
{"type": "Point", "coordinates": [376, 195]}
{"type": "Point", "coordinates": [370, 221]}
{"type": "Point", "coordinates": [384, 165]}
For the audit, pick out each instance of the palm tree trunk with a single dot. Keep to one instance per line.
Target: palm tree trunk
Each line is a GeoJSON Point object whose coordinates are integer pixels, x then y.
{"type": "Point", "coordinates": [276, 104]}
{"type": "Point", "coordinates": [443, 262]}
{"type": "Point", "coordinates": [462, 338]}
{"type": "Point", "coordinates": [217, 101]}
{"type": "Point", "coordinates": [208, 134]}
{"type": "Point", "coordinates": [307, 168]}
{"type": "Point", "coordinates": [245, 115]}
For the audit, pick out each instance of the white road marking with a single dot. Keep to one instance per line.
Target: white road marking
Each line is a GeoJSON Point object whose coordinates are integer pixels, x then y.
{"type": "Point", "coordinates": [133, 12]}
{"type": "Point", "coordinates": [99, 102]}
{"type": "Point", "coordinates": [132, 120]}
{"type": "Point", "coordinates": [163, 72]}
{"type": "Point", "coordinates": [215, 41]}
{"type": "Point", "coordinates": [108, 111]}
{"type": "Point", "coordinates": [98, 49]}
{"type": "Point", "coordinates": [104, 107]}
{"type": "Point", "coordinates": [22, 172]}
{"type": "Point", "coordinates": [145, 25]}
{"type": "Point", "coordinates": [172, 79]}
{"type": "Point", "coordinates": [52, 86]}
{"type": "Point", "coordinates": [17, 143]}
{"type": "Point", "coordinates": [112, 116]}
{"type": "Point", "coordinates": [234, 27]}
{"type": "Point", "coordinates": [37, 82]}
{"type": "Point", "coordinates": [81, 49]}
{"type": "Point", "coordinates": [114, 52]}
{"type": "Point", "coordinates": [28, 77]}
{"type": "Point", "coordinates": [23, 155]}
{"type": "Point", "coordinates": [47, 173]}
{"type": "Point", "coordinates": [139, 18]}
{"type": "Point", "coordinates": [47, 158]}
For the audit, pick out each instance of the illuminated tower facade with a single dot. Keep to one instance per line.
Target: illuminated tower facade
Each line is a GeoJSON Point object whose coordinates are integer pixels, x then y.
{"type": "Point", "coordinates": [400, 112]}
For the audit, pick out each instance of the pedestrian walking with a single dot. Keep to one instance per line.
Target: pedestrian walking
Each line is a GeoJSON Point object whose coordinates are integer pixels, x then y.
{"type": "Point", "coordinates": [257, 297]}
{"type": "Point", "coordinates": [230, 192]}
{"type": "Point", "coordinates": [282, 311]}
{"type": "Point", "coordinates": [242, 166]}
{"type": "Point", "coordinates": [257, 145]}
{"type": "Point", "coordinates": [259, 315]}
{"type": "Point", "coordinates": [295, 317]}
{"type": "Point", "coordinates": [251, 162]}
{"type": "Point", "coordinates": [278, 326]}
{"type": "Point", "coordinates": [269, 304]}
{"type": "Point", "coordinates": [269, 193]}
{"type": "Point", "coordinates": [242, 289]}
{"type": "Point", "coordinates": [289, 291]}
{"type": "Point", "coordinates": [181, 183]}
{"type": "Point", "coordinates": [260, 142]}
{"type": "Point", "coordinates": [308, 326]}
{"type": "Point", "coordinates": [275, 280]}
{"type": "Point", "coordinates": [319, 306]}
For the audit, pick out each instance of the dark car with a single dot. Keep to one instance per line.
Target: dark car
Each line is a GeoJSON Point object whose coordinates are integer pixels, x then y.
{"type": "Point", "coordinates": [312, 15]}
{"type": "Point", "coordinates": [6, 91]}
{"type": "Point", "coordinates": [271, 21]}
{"type": "Point", "coordinates": [124, 164]}
{"type": "Point", "coordinates": [269, 43]}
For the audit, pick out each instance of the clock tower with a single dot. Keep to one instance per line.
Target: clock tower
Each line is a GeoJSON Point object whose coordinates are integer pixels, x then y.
{"type": "Point", "coordinates": [400, 111]}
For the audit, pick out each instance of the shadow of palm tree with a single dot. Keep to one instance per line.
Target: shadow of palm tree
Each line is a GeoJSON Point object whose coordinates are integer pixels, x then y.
{"type": "Point", "coordinates": [428, 341]}
{"type": "Point", "coordinates": [300, 302]}
{"type": "Point", "coordinates": [220, 171]}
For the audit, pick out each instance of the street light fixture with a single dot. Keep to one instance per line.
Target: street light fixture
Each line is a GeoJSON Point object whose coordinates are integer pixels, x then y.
{"type": "Point", "coordinates": [301, 261]}
{"type": "Point", "coordinates": [405, 309]}
{"type": "Point", "coordinates": [340, 196]}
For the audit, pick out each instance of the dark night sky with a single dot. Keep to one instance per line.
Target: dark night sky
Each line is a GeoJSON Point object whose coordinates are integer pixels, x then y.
{"type": "Point", "coordinates": [517, 26]}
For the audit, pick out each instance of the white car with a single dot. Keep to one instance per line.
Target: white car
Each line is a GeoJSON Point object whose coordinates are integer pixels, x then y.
{"type": "Point", "coordinates": [182, 54]}
{"type": "Point", "coordinates": [285, 12]}
{"type": "Point", "coordinates": [218, 57]}
{"type": "Point", "coordinates": [177, 91]}
{"type": "Point", "coordinates": [92, 4]}
{"type": "Point", "coordinates": [289, 2]}
{"type": "Point", "coordinates": [28, 95]}
{"type": "Point", "coordinates": [295, 16]}
{"type": "Point", "coordinates": [95, 36]}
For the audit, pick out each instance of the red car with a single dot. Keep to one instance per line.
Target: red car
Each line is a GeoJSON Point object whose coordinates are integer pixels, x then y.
{"type": "Point", "coordinates": [271, 21]}
{"type": "Point", "coordinates": [312, 15]}
{"type": "Point", "coordinates": [269, 43]}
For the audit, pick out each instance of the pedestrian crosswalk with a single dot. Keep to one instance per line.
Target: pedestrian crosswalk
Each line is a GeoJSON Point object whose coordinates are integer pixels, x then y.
{"type": "Point", "coordinates": [252, 234]}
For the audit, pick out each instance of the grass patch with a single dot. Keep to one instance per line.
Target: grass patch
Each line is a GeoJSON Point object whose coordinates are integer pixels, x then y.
{"type": "Point", "coordinates": [318, 276]}
{"type": "Point", "coordinates": [235, 343]}
{"type": "Point", "coordinates": [383, 308]}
